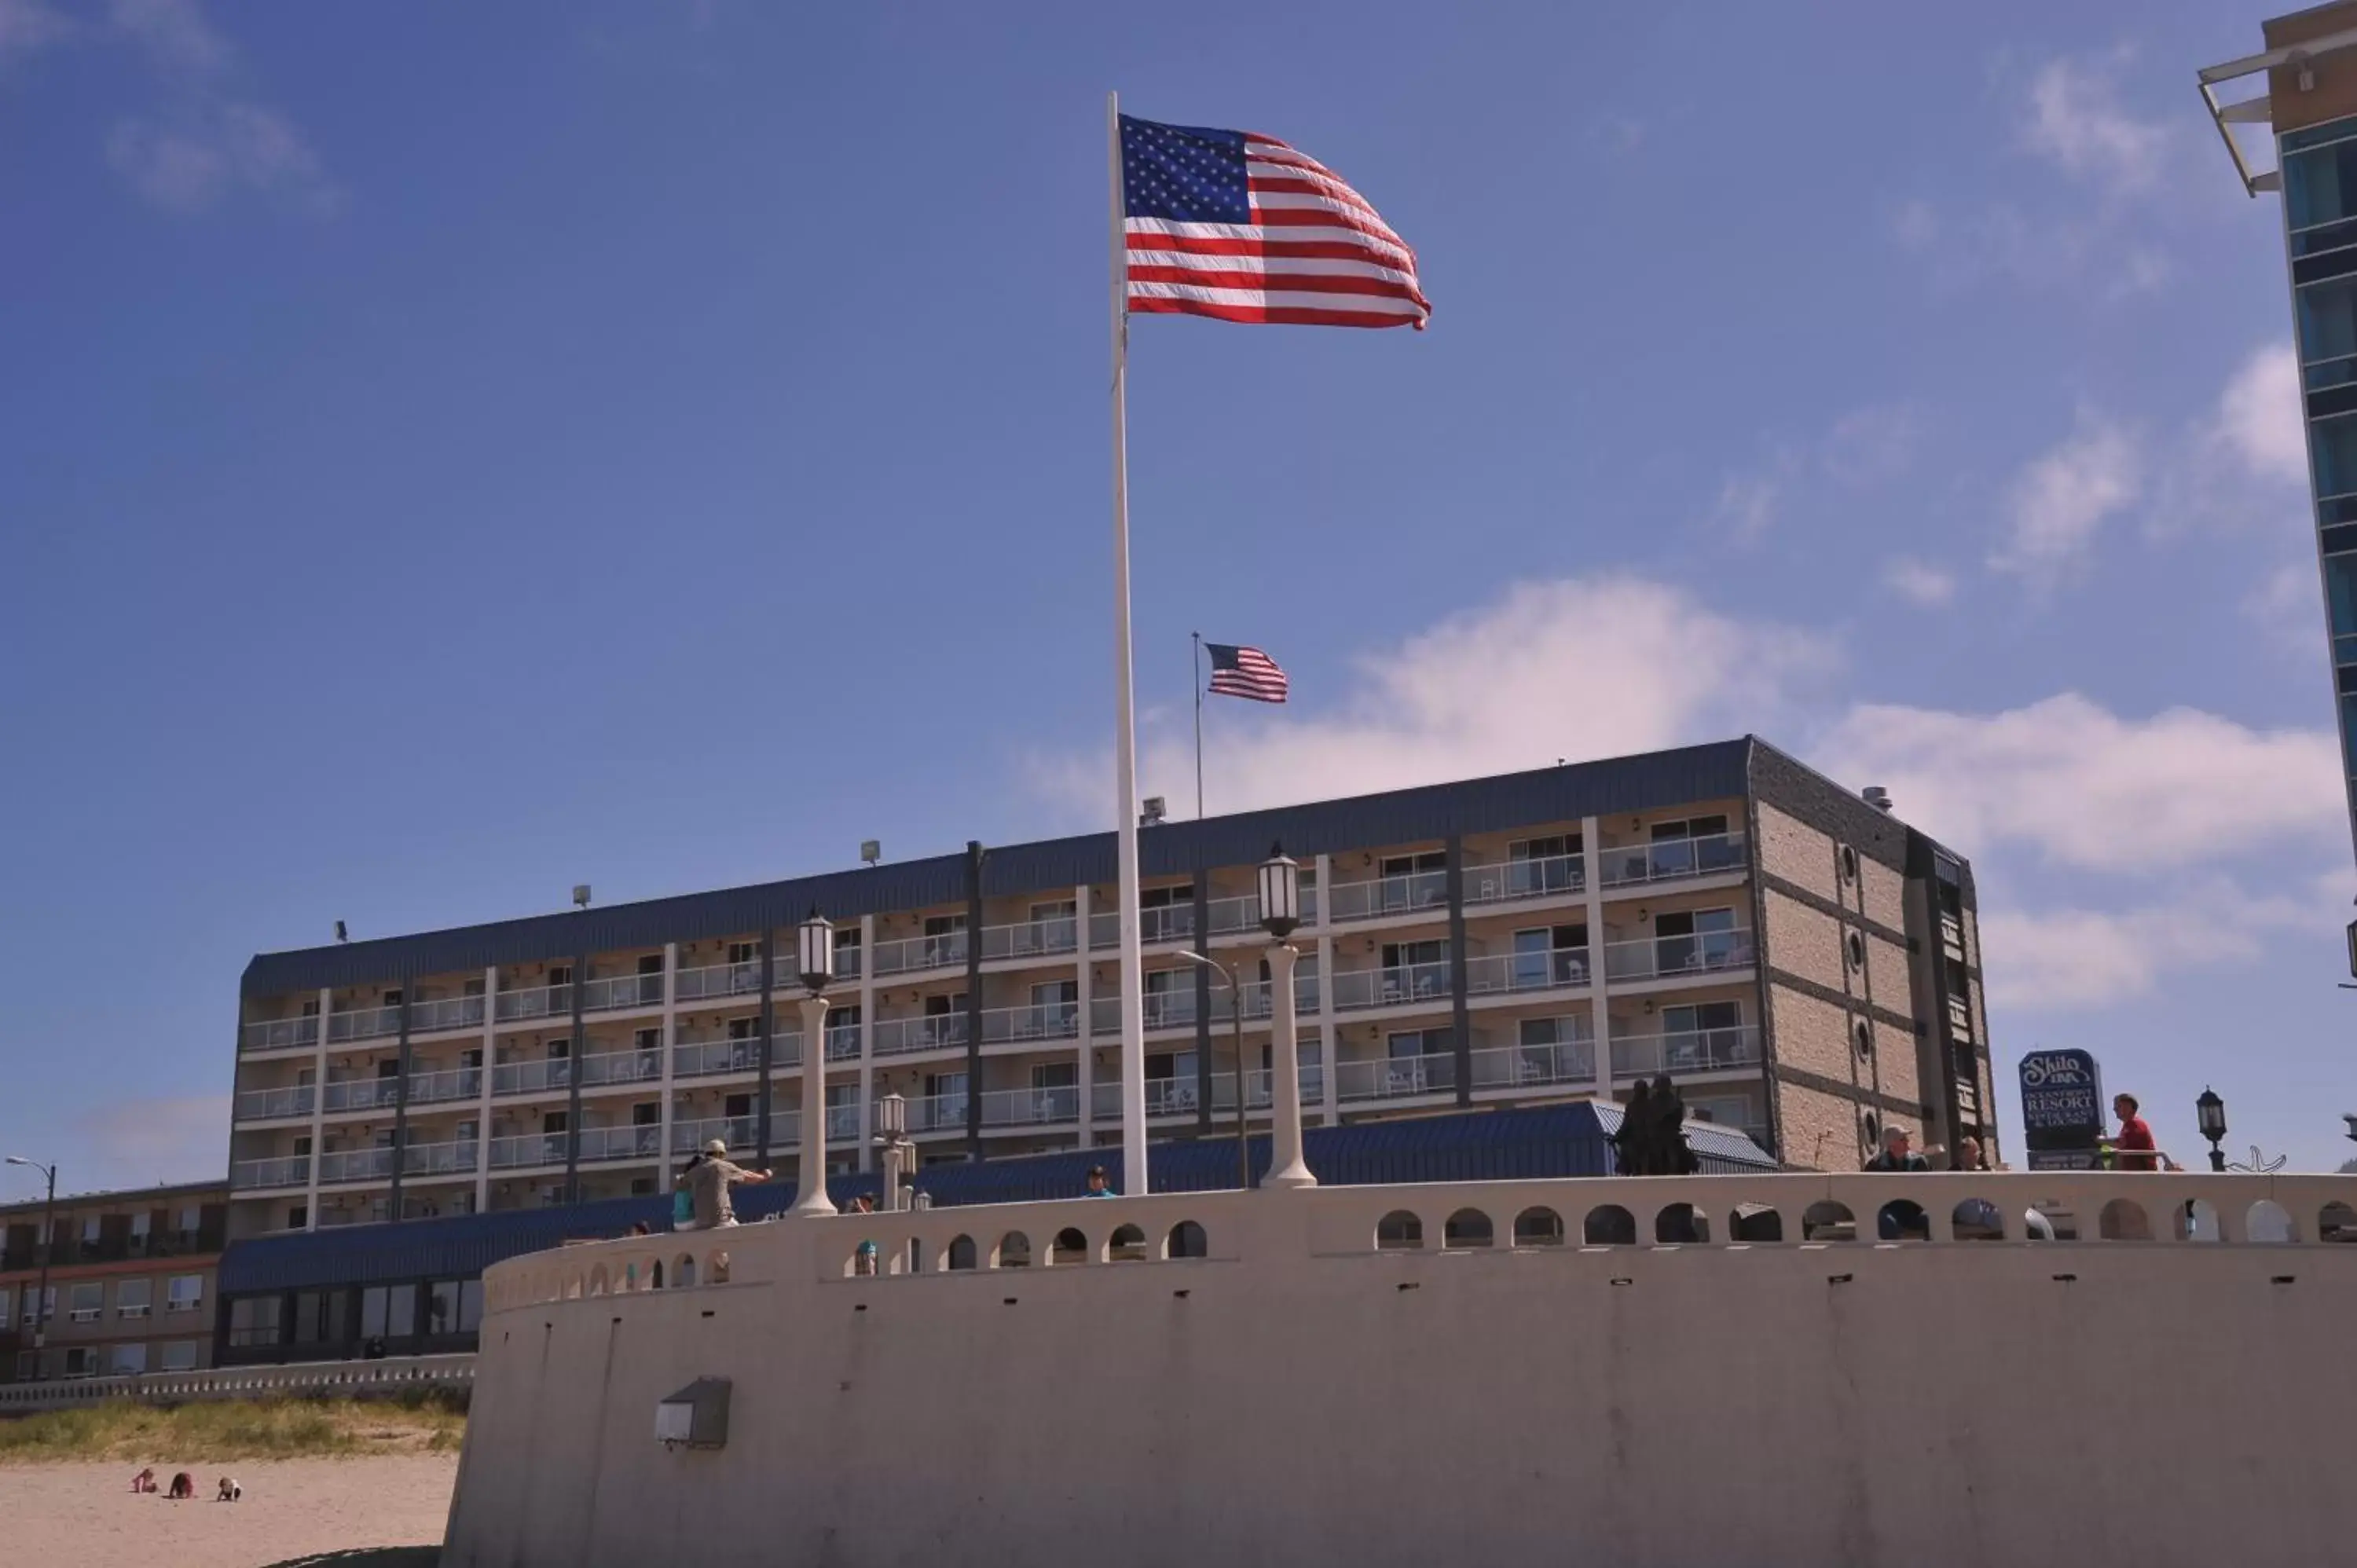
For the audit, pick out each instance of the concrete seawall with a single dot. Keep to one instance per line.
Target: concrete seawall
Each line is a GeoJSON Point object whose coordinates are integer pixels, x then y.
{"type": "Point", "coordinates": [1300, 1396]}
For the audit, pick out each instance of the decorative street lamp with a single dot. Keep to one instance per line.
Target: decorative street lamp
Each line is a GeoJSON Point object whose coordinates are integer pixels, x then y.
{"type": "Point", "coordinates": [1280, 912]}
{"type": "Point", "coordinates": [892, 1137]}
{"type": "Point", "coordinates": [816, 954]}
{"type": "Point", "coordinates": [1236, 1022]}
{"type": "Point", "coordinates": [2211, 1112]}
{"type": "Point", "coordinates": [48, 1245]}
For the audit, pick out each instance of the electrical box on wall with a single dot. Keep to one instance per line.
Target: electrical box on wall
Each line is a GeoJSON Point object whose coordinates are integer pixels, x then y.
{"type": "Point", "coordinates": [696, 1416]}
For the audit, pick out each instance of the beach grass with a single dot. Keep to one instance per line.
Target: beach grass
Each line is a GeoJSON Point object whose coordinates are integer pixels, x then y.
{"type": "Point", "coordinates": [422, 1421]}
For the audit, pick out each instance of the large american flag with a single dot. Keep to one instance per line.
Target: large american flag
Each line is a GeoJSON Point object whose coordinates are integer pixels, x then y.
{"type": "Point", "coordinates": [1241, 227]}
{"type": "Point", "coordinates": [1245, 673]}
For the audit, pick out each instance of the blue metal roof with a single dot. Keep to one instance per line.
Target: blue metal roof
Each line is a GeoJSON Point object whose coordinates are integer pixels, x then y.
{"type": "Point", "coordinates": [1511, 1144]}
{"type": "Point", "coordinates": [1718, 770]}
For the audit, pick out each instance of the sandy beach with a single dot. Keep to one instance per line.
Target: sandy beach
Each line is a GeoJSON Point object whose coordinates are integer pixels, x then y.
{"type": "Point", "coordinates": [293, 1509]}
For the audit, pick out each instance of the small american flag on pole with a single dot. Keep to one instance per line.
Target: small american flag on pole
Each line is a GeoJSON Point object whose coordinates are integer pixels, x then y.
{"type": "Point", "coordinates": [1240, 226]}
{"type": "Point", "coordinates": [1244, 673]}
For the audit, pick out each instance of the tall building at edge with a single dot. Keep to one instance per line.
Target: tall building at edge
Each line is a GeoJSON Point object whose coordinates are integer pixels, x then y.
{"type": "Point", "coordinates": [1802, 962]}
{"type": "Point", "coordinates": [2310, 68]}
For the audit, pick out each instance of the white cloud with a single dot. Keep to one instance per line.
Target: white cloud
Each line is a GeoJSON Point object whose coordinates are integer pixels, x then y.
{"type": "Point", "coordinates": [2063, 498]}
{"type": "Point", "coordinates": [2258, 416]}
{"type": "Point", "coordinates": [174, 34]}
{"type": "Point", "coordinates": [2077, 124]}
{"type": "Point", "coordinates": [188, 167]}
{"type": "Point", "coordinates": [1872, 446]}
{"type": "Point", "coordinates": [1748, 504]}
{"type": "Point", "coordinates": [2088, 790]}
{"type": "Point", "coordinates": [2284, 606]}
{"type": "Point", "coordinates": [176, 1139]}
{"type": "Point", "coordinates": [26, 25]}
{"type": "Point", "coordinates": [1920, 582]}
{"type": "Point", "coordinates": [2079, 957]}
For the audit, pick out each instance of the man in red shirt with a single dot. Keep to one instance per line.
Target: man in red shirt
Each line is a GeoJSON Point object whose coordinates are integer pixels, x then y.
{"type": "Point", "coordinates": [2135, 1136]}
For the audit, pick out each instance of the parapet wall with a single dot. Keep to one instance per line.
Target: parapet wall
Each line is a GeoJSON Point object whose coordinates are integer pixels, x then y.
{"type": "Point", "coordinates": [1301, 1396]}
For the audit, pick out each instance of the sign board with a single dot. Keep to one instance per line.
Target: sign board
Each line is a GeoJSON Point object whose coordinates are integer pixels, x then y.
{"type": "Point", "coordinates": [2063, 1159]}
{"type": "Point", "coordinates": [2062, 1103]}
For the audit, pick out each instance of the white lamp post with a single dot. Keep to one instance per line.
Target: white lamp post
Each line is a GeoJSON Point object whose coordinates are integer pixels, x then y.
{"type": "Point", "coordinates": [816, 955]}
{"type": "Point", "coordinates": [1280, 912]}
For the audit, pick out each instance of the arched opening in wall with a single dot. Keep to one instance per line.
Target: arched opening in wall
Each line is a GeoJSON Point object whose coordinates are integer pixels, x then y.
{"type": "Point", "coordinates": [1126, 1245]}
{"type": "Point", "coordinates": [1902, 1220]}
{"type": "Point", "coordinates": [655, 1270]}
{"type": "Point", "coordinates": [2194, 1220]}
{"type": "Point", "coordinates": [961, 1253]}
{"type": "Point", "coordinates": [1755, 1223]}
{"type": "Point", "coordinates": [1399, 1231]}
{"type": "Point", "coordinates": [1977, 1219]}
{"type": "Point", "coordinates": [573, 1287]}
{"type": "Point", "coordinates": [1827, 1220]}
{"type": "Point", "coordinates": [1681, 1224]}
{"type": "Point", "coordinates": [1538, 1227]}
{"type": "Point", "coordinates": [682, 1272]}
{"type": "Point", "coordinates": [597, 1280]}
{"type": "Point", "coordinates": [2336, 1222]}
{"type": "Point", "coordinates": [1466, 1228]}
{"type": "Point", "coordinates": [1070, 1247]}
{"type": "Point", "coordinates": [1609, 1225]}
{"type": "Point", "coordinates": [715, 1269]}
{"type": "Point", "coordinates": [2124, 1220]}
{"type": "Point", "coordinates": [2269, 1221]}
{"type": "Point", "coordinates": [1187, 1241]}
{"type": "Point", "coordinates": [1014, 1251]}
{"type": "Point", "coordinates": [1848, 863]}
{"type": "Point", "coordinates": [916, 1258]}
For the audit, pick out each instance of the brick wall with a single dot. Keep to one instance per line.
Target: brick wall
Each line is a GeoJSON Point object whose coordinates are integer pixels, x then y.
{"type": "Point", "coordinates": [1799, 854]}
{"type": "Point", "coordinates": [1801, 941]}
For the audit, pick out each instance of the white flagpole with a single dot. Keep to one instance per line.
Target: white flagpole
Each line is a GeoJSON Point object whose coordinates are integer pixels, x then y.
{"type": "Point", "coordinates": [1132, 977]}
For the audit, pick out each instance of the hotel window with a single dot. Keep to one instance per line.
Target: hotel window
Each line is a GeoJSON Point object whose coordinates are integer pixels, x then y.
{"type": "Point", "coordinates": [180, 1356]}
{"type": "Point", "coordinates": [127, 1360]}
{"type": "Point", "coordinates": [92, 1225]}
{"type": "Point", "coordinates": [82, 1361]}
{"type": "Point", "coordinates": [141, 1224]}
{"type": "Point", "coordinates": [389, 1312]}
{"type": "Point", "coordinates": [254, 1320]}
{"type": "Point", "coordinates": [47, 1312]}
{"type": "Point", "coordinates": [86, 1301]}
{"type": "Point", "coordinates": [186, 1292]}
{"type": "Point", "coordinates": [131, 1298]}
{"type": "Point", "coordinates": [744, 952]}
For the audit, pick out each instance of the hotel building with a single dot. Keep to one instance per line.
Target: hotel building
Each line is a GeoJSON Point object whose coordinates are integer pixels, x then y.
{"type": "Point", "coordinates": [130, 1282]}
{"type": "Point", "coordinates": [1802, 962]}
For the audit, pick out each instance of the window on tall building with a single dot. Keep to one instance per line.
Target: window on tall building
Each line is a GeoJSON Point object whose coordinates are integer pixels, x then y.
{"type": "Point", "coordinates": [86, 1301]}
{"type": "Point", "coordinates": [180, 1356]}
{"type": "Point", "coordinates": [186, 1292]}
{"type": "Point", "coordinates": [131, 1298]}
{"type": "Point", "coordinates": [127, 1360]}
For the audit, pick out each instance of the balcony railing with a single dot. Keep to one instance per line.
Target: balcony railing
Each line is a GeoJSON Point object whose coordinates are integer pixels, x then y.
{"type": "Point", "coordinates": [705, 1058]}
{"type": "Point", "coordinates": [261, 1105]}
{"type": "Point", "coordinates": [356, 1165]}
{"type": "Point", "coordinates": [1044, 1021]}
{"type": "Point", "coordinates": [451, 1083]}
{"type": "Point", "coordinates": [1163, 1010]}
{"type": "Point", "coordinates": [532, 1077]}
{"type": "Point", "coordinates": [737, 1131]}
{"type": "Point", "coordinates": [1408, 982]}
{"type": "Point", "coordinates": [931, 1032]}
{"type": "Point", "coordinates": [1698, 1050]}
{"type": "Point", "coordinates": [1668, 860]}
{"type": "Point", "coordinates": [1380, 896]}
{"type": "Point", "coordinates": [1163, 923]}
{"type": "Point", "coordinates": [287, 1170]}
{"type": "Point", "coordinates": [1557, 969]}
{"type": "Point", "coordinates": [909, 955]}
{"type": "Point", "coordinates": [1257, 993]}
{"type": "Point", "coordinates": [621, 991]}
{"type": "Point", "coordinates": [1241, 913]}
{"type": "Point", "coordinates": [455, 1158]}
{"type": "Point", "coordinates": [364, 1023]}
{"type": "Point", "coordinates": [446, 1013]}
{"type": "Point", "coordinates": [1528, 1067]}
{"type": "Point", "coordinates": [937, 1114]}
{"type": "Point", "coordinates": [1395, 1077]}
{"type": "Point", "coordinates": [622, 1066]}
{"type": "Point", "coordinates": [360, 1094]}
{"type": "Point", "coordinates": [1030, 1107]}
{"type": "Point", "coordinates": [538, 1001]}
{"type": "Point", "coordinates": [841, 1045]}
{"type": "Point", "coordinates": [1665, 958]}
{"type": "Point", "coordinates": [528, 1149]}
{"type": "Point", "coordinates": [1550, 876]}
{"type": "Point", "coordinates": [1164, 1096]}
{"type": "Point", "coordinates": [1259, 1085]}
{"type": "Point", "coordinates": [279, 1033]}
{"type": "Point", "coordinates": [1032, 938]}
{"type": "Point", "coordinates": [634, 1143]}
{"type": "Point", "coordinates": [719, 980]}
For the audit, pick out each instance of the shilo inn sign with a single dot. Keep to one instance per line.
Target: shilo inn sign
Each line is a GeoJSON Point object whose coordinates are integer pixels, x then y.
{"type": "Point", "coordinates": [2061, 1110]}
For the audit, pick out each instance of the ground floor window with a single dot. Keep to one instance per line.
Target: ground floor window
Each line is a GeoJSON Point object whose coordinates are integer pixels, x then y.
{"type": "Point", "coordinates": [254, 1320]}
{"type": "Point", "coordinates": [128, 1360]}
{"type": "Point", "coordinates": [180, 1356]}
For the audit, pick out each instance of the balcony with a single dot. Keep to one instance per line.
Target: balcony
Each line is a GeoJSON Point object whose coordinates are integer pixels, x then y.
{"type": "Point", "coordinates": [1395, 1077]}
{"type": "Point", "coordinates": [737, 1131]}
{"type": "Point", "coordinates": [451, 1083]}
{"type": "Point", "coordinates": [1668, 958]}
{"type": "Point", "coordinates": [1671, 860]}
{"type": "Point", "coordinates": [455, 1158]}
{"type": "Point", "coordinates": [1260, 1086]}
{"type": "Point", "coordinates": [356, 1165]}
{"type": "Point", "coordinates": [1257, 993]}
{"type": "Point", "coordinates": [930, 1032]}
{"type": "Point", "coordinates": [360, 1094]}
{"type": "Point", "coordinates": [1409, 982]}
{"type": "Point", "coordinates": [288, 1170]}
{"type": "Point", "coordinates": [1241, 913]}
{"type": "Point", "coordinates": [622, 990]}
{"type": "Point", "coordinates": [1380, 896]}
{"type": "Point", "coordinates": [1698, 1050]}
{"type": "Point", "coordinates": [364, 1023]}
{"type": "Point", "coordinates": [717, 980]}
{"type": "Point", "coordinates": [528, 1149]}
{"type": "Point", "coordinates": [1164, 1096]}
{"type": "Point", "coordinates": [641, 1142]}
{"type": "Point", "coordinates": [910, 954]}
{"type": "Point", "coordinates": [1570, 1061]}
{"type": "Point", "coordinates": [1048, 1021]}
{"type": "Point", "coordinates": [841, 1045]}
{"type": "Point", "coordinates": [707, 1058]}
{"type": "Point", "coordinates": [537, 1002]}
{"type": "Point", "coordinates": [1163, 1010]}
{"type": "Point", "coordinates": [1031, 939]}
{"type": "Point", "coordinates": [279, 1035]}
{"type": "Point", "coordinates": [446, 1013]}
{"type": "Point", "coordinates": [262, 1105]}
{"type": "Point", "coordinates": [1163, 923]}
{"type": "Point", "coordinates": [533, 1077]}
{"type": "Point", "coordinates": [1558, 969]}
{"type": "Point", "coordinates": [1030, 1107]}
{"type": "Point", "coordinates": [937, 1114]}
{"type": "Point", "coordinates": [1511, 881]}
{"type": "Point", "coordinates": [621, 1067]}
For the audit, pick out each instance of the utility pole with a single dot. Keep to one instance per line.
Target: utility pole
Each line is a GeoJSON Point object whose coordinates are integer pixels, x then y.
{"type": "Point", "coordinates": [48, 1246]}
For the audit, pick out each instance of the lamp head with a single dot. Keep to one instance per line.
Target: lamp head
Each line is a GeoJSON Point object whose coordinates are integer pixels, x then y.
{"type": "Point", "coordinates": [815, 951]}
{"type": "Point", "coordinates": [1280, 893]}
{"type": "Point", "coordinates": [2211, 1112]}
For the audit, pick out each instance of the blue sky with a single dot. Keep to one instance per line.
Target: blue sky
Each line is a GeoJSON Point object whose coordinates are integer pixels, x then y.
{"type": "Point", "coordinates": [439, 463]}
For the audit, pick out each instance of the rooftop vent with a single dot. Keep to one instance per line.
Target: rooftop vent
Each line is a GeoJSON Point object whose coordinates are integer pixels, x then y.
{"type": "Point", "coordinates": [1876, 796]}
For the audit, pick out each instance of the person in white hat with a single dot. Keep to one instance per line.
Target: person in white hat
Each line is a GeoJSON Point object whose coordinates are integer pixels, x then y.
{"type": "Point", "coordinates": [709, 1183]}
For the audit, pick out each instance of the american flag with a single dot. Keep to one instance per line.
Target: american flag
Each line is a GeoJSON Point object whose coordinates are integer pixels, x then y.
{"type": "Point", "coordinates": [1241, 227]}
{"type": "Point", "coordinates": [1245, 673]}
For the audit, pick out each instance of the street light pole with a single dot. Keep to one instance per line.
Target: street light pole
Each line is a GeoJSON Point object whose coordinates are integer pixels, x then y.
{"type": "Point", "coordinates": [1236, 1021]}
{"type": "Point", "coordinates": [816, 954]}
{"type": "Point", "coordinates": [1280, 912]}
{"type": "Point", "coordinates": [48, 1245]}
{"type": "Point", "coordinates": [2210, 1112]}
